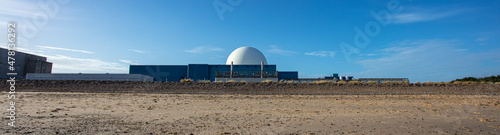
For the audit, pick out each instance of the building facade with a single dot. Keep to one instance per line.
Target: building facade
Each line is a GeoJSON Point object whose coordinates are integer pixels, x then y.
{"type": "Point", "coordinates": [24, 63]}
{"type": "Point", "coordinates": [89, 76]}
{"type": "Point", "coordinates": [198, 72]}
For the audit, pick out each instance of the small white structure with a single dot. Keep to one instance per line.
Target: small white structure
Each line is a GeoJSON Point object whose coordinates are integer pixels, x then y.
{"type": "Point", "coordinates": [86, 76]}
{"type": "Point", "coordinates": [246, 56]}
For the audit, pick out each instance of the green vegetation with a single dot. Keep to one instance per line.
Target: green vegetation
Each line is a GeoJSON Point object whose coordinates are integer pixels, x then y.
{"type": "Point", "coordinates": [483, 79]}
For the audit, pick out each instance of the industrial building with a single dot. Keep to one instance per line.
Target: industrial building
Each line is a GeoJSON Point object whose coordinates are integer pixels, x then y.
{"type": "Point", "coordinates": [87, 76]}
{"type": "Point", "coordinates": [243, 64]}
{"type": "Point", "coordinates": [24, 63]}
{"type": "Point", "coordinates": [335, 78]}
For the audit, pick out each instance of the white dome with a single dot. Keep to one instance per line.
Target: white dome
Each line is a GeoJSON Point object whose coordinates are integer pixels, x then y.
{"type": "Point", "coordinates": [246, 56]}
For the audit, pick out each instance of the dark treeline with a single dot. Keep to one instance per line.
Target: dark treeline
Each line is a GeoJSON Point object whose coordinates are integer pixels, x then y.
{"type": "Point", "coordinates": [482, 79]}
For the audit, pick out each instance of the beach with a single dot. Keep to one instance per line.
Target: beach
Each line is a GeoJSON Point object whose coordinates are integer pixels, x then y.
{"type": "Point", "coordinates": [150, 113]}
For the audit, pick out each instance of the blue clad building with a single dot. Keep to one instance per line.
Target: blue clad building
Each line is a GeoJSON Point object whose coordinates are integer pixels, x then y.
{"type": "Point", "coordinates": [243, 64]}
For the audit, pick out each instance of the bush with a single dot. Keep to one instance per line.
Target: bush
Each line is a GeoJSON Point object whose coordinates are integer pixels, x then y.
{"type": "Point", "coordinates": [485, 79]}
{"type": "Point", "coordinates": [186, 80]}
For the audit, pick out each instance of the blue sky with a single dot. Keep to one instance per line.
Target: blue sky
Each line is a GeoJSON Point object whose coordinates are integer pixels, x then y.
{"type": "Point", "coordinates": [423, 40]}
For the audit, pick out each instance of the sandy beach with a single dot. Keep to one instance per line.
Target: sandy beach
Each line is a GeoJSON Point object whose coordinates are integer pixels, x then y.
{"type": "Point", "coordinates": [131, 113]}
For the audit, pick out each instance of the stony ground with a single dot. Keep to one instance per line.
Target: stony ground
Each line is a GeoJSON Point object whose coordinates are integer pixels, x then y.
{"type": "Point", "coordinates": [253, 88]}
{"type": "Point", "coordinates": [136, 113]}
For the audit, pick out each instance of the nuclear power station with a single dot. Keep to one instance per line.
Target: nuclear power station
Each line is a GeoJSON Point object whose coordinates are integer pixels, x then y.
{"type": "Point", "coordinates": [243, 64]}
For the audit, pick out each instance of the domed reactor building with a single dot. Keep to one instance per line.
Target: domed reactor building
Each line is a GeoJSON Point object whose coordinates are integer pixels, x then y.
{"type": "Point", "coordinates": [243, 64]}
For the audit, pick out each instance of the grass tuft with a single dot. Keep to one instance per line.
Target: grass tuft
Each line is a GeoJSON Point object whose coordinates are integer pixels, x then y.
{"type": "Point", "coordinates": [204, 81]}
{"type": "Point", "coordinates": [355, 82]}
{"type": "Point", "coordinates": [387, 82]}
{"type": "Point", "coordinates": [186, 80]}
{"type": "Point", "coordinates": [371, 82]}
{"type": "Point", "coordinates": [321, 82]}
{"type": "Point", "coordinates": [267, 81]}
{"type": "Point", "coordinates": [341, 82]}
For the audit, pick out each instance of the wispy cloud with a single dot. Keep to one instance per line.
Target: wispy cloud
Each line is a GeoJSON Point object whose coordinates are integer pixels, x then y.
{"type": "Point", "coordinates": [128, 62]}
{"type": "Point", "coordinates": [277, 50]}
{"type": "Point", "coordinates": [66, 64]}
{"type": "Point", "coordinates": [137, 51]}
{"type": "Point", "coordinates": [322, 54]}
{"type": "Point", "coordinates": [69, 64]}
{"type": "Point", "coordinates": [430, 60]}
{"type": "Point", "coordinates": [368, 54]}
{"type": "Point", "coordinates": [24, 49]}
{"type": "Point", "coordinates": [204, 49]}
{"type": "Point", "coordinates": [65, 49]}
{"type": "Point", "coordinates": [425, 14]}
{"type": "Point", "coordinates": [16, 8]}
{"type": "Point", "coordinates": [482, 39]}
